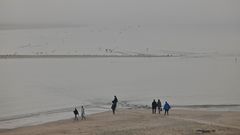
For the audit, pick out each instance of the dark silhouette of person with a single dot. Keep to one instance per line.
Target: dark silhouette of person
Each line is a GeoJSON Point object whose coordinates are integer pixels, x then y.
{"type": "Point", "coordinates": [114, 104]}
{"type": "Point", "coordinates": [166, 108]}
{"type": "Point", "coordinates": [159, 105]}
{"type": "Point", "coordinates": [154, 106]}
{"type": "Point", "coordinates": [76, 114]}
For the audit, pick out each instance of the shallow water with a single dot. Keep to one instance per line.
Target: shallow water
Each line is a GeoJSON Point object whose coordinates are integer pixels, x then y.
{"type": "Point", "coordinates": [31, 88]}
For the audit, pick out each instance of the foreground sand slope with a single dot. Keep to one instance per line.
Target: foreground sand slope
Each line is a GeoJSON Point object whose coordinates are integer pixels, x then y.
{"type": "Point", "coordinates": [141, 122]}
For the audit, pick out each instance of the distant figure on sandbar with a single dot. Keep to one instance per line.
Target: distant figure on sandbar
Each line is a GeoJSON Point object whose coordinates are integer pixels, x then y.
{"type": "Point", "coordinates": [154, 106]}
{"type": "Point", "coordinates": [159, 105]}
{"type": "Point", "coordinates": [83, 113]}
{"type": "Point", "coordinates": [114, 104]}
{"type": "Point", "coordinates": [76, 114]}
{"type": "Point", "coordinates": [166, 108]}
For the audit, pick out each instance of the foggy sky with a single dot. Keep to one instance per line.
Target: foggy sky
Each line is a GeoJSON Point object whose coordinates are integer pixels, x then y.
{"type": "Point", "coordinates": [220, 19]}
{"type": "Point", "coordinates": [122, 11]}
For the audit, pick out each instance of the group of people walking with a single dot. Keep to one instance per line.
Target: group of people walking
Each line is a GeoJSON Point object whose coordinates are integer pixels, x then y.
{"type": "Point", "coordinates": [76, 113]}
{"type": "Point", "coordinates": [158, 105]}
{"type": "Point", "coordinates": [155, 106]}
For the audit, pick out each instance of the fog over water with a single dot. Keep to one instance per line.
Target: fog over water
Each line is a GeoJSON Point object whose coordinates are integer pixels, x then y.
{"type": "Point", "coordinates": [186, 25]}
{"type": "Point", "coordinates": [205, 35]}
{"type": "Point", "coordinates": [36, 86]}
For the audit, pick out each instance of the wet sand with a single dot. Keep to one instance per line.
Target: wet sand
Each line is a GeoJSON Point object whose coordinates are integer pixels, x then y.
{"type": "Point", "coordinates": [140, 122]}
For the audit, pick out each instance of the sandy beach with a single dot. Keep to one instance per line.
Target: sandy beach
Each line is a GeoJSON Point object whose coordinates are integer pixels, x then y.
{"type": "Point", "coordinates": [140, 122]}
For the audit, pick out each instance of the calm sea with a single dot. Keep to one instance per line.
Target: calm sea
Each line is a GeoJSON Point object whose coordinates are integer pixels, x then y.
{"type": "Point", "coordinates": [34, 91]}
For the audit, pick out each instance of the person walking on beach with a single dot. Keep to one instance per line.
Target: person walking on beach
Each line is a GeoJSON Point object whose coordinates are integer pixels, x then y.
{"type": "Point", "coordinates": [166, 108]}
{"type": "Point", "coordinates": [114, 104]}
{"type": "Point", "coordinates": [83, 113]}
{"type": "Point", "coordinates": [154, 106]}
{"type": "Point", "coordinates": [159, 105]}
{"type": "Point", "coordinates": [76, 114]}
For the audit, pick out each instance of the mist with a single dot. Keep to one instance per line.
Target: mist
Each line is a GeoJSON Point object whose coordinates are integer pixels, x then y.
{"type": "Point", "coordinates": [186, 25]}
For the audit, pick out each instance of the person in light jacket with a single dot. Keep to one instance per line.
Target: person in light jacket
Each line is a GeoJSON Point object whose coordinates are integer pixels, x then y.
{"type": "Point", "coordinates": [83, 113]}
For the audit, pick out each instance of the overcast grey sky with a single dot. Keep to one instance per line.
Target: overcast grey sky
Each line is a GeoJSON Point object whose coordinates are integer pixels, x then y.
{"type": "Point", "coordinates": [215, 22]}
{"type": "Point", "coordinates": [119, 11]}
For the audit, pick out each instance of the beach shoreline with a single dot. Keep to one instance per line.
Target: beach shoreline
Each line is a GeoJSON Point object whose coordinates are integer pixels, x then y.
{"type": "Point", "coordinates": [42, 117]}
{"type": "Point", "coordinates": [84, 56]}
{"type": "Point", "coordinates": [140, 121]}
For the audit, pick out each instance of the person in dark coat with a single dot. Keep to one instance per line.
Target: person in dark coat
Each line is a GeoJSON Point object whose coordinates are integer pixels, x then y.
{"type": "Point", "coordinates": [159, 105]}
{"type": "Point", "coordinates": [154, 106]}
{"type": "Point", "coordinates": [166, 108]}
{"type": "Point", "coordinates": [114, 104]}
{"type": "Point", "coordinates": [76, 114]}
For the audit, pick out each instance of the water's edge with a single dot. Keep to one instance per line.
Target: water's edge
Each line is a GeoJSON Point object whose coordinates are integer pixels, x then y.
{"type": "Point", "coordinates": [31, 119]}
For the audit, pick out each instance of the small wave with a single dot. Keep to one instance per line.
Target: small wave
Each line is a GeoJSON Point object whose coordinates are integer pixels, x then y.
{"type": "Point", "coordinates": [21, 116]}
{"type": "Point", "coordinates": [48, 112]}
{"type": "Point", "coordinates": [219, 107]}
{"type": "Point", "coordinates": [36, 118]}
{"type": "Point", "coordinates": [208, 106]}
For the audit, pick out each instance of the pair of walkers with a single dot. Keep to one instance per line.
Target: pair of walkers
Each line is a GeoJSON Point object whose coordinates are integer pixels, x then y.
{"type": "Point", "coordinates": [77, 114]}
{"type": "Point", "coordinates": [155, 106]}
{"type": "Point", "coordinates": [158, 105]}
